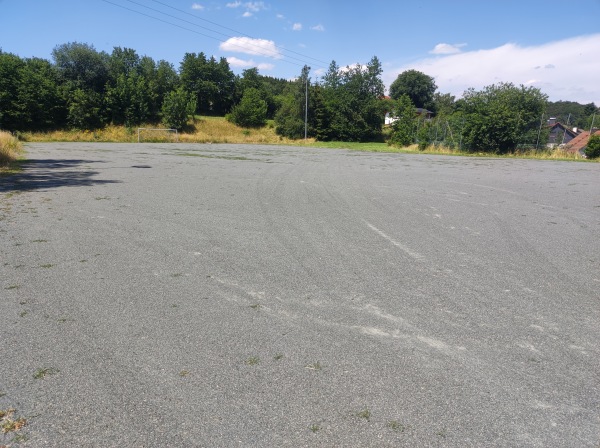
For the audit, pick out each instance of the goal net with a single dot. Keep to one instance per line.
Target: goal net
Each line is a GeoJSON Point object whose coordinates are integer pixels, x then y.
{"type": "Point", "coordinates": [157, 135]}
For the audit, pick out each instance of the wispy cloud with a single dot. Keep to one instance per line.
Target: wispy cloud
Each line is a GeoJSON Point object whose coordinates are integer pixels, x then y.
{"type": "Point", "coordinates": [280, 16]}
{"type": "Point", "coordinates": [248, 45]}
{"type": "Point", "coordinates": [255, 6]}
{"type": "Point", "coordinates": [447, 48]}
{"type": "Point", "coordinates": [318, 27]}
{"type": "Point", "coordinates": [242, 63]}
{"type": "Point", "coordinates": [251, 7]}
{"type": "Point", "coordinates": [197, 6]}
{"type": "Point", "coordinates": [297, 26]}
{"type": "Point", "coordinates": [564, 70]}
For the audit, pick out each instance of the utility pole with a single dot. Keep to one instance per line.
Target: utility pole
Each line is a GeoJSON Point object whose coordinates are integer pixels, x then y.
{"type": "Point", "coordinates": [539, 133]}
{"type": "Point", "coordinates": [306, 106]}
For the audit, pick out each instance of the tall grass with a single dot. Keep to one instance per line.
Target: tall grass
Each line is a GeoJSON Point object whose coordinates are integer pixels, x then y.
{"type": "Point", "coordinates": [200, 130]}
{"type": "Point", "coordinates": [10, 147]}
{"type": "Point", "coordinates": [219, 130]}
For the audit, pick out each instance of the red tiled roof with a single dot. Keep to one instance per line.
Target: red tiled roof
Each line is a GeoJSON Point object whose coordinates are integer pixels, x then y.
{"type": "Point", "coordinates": [580, 142]}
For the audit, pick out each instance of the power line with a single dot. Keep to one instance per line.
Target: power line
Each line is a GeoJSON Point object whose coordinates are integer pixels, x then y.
{"type": "Point", "coordinates": [235, 31]}
{"type": "Point", "coordinates": [184, 28]}
{"type": "Point", "coordinates": [259, 53]}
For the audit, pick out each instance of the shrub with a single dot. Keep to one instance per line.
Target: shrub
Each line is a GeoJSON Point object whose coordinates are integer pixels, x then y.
{"type": "Point", "coordinates": [592, 151]}
{"type": "Point", "coordinates": [177, 106]}
{"type": "Point", "coordinates": [251, 112]}
{"type": "Point", "coordinates": [9, 148]}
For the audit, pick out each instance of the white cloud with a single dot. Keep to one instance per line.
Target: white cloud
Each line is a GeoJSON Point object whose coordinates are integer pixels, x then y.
{"type": "Point", "coordinates": [251, 7]}
{"type": "Point", "coordinates": [297, 26]}
{"type": "Point", "coordinates": [318, 27]}
{"type": "Point", "coordinates": [564, 70]}
{"type": "Point", "coordinates": [252, 46]}
{"type": "Point", "coordinates": [447, 48]}
{"type": "Point", "coordinates": [241, 63]}
{"type": "Point", "coordinates": [280, 16]}
{"type": "Point", "coordinates": [255, 6]}
{"type": "Point", "coordinates": [197, 6]}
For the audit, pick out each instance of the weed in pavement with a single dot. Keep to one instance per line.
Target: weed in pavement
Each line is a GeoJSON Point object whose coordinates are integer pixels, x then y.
{"type": "Point", "coordinates": [41, 373]}
{"type": "Point", "coordinates": [365, 413]}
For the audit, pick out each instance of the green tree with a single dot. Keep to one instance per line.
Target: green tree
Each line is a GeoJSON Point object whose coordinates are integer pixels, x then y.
{"type": "Point", "coordinates": [251, 112]}
{"type": "Point", "coordinates": [403, 128]}
{"type": "Point", "coordinates": [128, 101]}
{"type": "Point", "coordinates": [352, 102]}
{"type": "Point", "coordinates": [423, 133]}
{"type": "Point", "coordinates": [499, 117]}
{"type": "Point", "coordinates": [40, 97]}
{"type": "Point", "coordinates": [84, 109]}
{"type": "Point", "coordinates": [211, 82]}
{"type": "Point", "coordinates": [122, 61]}
{"type": "Point", "coordinates": [592, 150]}
{"type": "Point", "coordinates": [290, 118]}
{"type": "Point", "coordinates": [418, 86]}
{"type": "Point", "coordinates": [81, 65]}
{"type": "Point", "coordinates": [30, 97]}
{"type": "Point", "coordinates": [444, 104]}
{"type": "Point", "coordinates": [10, 109]}
{"type": "Point", "coordinates": [160, 78]}
{"type": "Point", "coordinates": [177, 107]}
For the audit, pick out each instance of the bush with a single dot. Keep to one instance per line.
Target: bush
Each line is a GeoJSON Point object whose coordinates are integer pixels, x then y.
{"type": "Point", "coordinates": [9, 148]}
{"type": "Point", "coordinates": [402, 133]}
{"type": "Point", "coordinates": [251, 112]}
{"type": "Point", "coordinates": [592, 151]}
{"type": "Point", "coordinates": [177, 106]}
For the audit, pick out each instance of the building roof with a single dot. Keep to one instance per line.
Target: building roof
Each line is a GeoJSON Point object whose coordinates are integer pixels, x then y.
{"type": "Point", "coordinates": [563, 128]}
{"type": "Point", "coordinates": [580, 142]}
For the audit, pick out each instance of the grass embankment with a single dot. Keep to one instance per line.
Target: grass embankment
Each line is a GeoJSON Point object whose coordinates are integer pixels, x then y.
{"type": "Point", "coordinates": [546, 154]}
{"type": "Point", "coordinates": [10, 148]}
{"type": "Point", "coordinates": [219, 130]}
{"type": "Point", "coordinates": [201, 130]}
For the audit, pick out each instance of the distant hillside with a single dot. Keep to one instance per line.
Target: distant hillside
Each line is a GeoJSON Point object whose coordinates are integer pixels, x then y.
{"type": "Point", "coordinates": [578, 115]}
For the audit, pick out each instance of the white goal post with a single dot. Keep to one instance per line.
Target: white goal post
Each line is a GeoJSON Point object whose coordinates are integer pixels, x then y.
{"type": "Point", "coordinates": [158, 129]}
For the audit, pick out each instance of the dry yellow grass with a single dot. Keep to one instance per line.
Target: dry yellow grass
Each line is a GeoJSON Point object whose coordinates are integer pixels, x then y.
{"type": "Point", "coordinates": [112, 134]}
{"type": "Point", "coordinates": [546, 154]}
{"type": "Point", "coordinates": [202, 130]}
{"type": "Point", "coordinates": [10, 147]}
{"type": "Point", "coordinates": [219, 130]}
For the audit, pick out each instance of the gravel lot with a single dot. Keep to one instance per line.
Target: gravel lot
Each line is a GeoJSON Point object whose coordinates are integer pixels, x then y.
{"type": "Point", "coordinates": [179, 295]}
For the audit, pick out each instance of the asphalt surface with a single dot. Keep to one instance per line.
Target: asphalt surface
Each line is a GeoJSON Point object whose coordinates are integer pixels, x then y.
{"type": "Point", "coordinates": [173, 295]}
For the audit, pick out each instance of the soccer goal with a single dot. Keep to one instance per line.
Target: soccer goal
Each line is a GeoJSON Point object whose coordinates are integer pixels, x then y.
{"type": "Point", "coordinates": [157, 135]}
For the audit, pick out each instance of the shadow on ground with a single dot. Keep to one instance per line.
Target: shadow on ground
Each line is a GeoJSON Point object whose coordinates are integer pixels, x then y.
{"type": "Point", "coordinates": [49, 173]}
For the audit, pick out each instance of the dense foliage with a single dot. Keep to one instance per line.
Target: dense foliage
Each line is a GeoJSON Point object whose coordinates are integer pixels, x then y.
{"type": "Point", "coordinates": [592, 151]}
{"type": "Point", "coordinates": [418, 86]}
{"type": "Point", "coordinates": [500, 116]}
{"type": "Point", "coordinates": [346, 105]}
{"type": "Point", "coordinates": [403, 128]}
{"type": "Point", "coordinates": [573, 114]}
{"type": "Point", "coordinates": [251, 112]}
{"type": "Point", "coordinates": [83, 88]}
{"type": "Point", "coordinates": [177, 107]}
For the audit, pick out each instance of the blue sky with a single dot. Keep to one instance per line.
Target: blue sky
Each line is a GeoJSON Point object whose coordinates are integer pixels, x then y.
{"type": "Point", "coordinates": [549, 44]}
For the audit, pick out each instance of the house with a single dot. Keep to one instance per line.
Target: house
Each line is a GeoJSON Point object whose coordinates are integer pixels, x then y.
{"type": "Point", "coordinates": [560, 134]}
{"type": "Point", "coordinates": [579, 143]}
{"type": "Point", "coordinates": [418, 112]}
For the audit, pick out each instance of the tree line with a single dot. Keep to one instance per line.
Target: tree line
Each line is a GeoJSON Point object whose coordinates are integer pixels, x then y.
{"type": "Point", "coordinates": [83, 88]}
